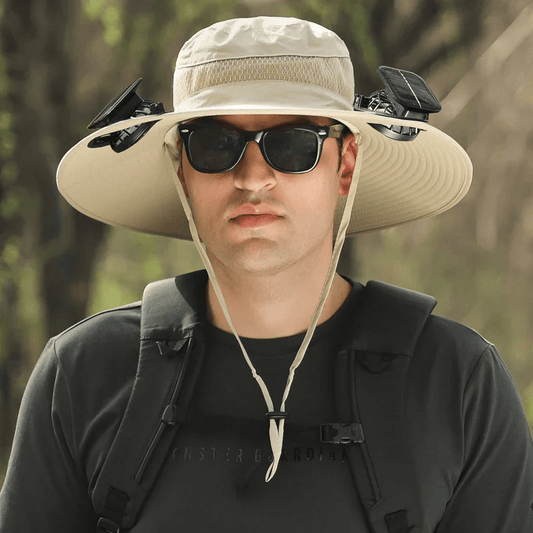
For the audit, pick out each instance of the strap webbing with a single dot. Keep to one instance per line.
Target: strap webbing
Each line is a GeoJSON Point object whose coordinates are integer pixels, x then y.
{"type": "Point", "coordinates": [371, 381]}
{"type": "Point", "coordinates": [169, 362]}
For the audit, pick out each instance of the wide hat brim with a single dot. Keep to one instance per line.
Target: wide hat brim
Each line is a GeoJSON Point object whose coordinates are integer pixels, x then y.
{"type": "Point", "coordinates": [400, 181]}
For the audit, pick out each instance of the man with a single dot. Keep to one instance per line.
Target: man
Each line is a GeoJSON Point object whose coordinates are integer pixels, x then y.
{"type": "Point", "coordinates": [266, 165]}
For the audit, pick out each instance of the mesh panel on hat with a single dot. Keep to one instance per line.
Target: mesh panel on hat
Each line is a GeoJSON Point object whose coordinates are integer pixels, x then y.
{"type": "Point", "coordinates": [332, 73]}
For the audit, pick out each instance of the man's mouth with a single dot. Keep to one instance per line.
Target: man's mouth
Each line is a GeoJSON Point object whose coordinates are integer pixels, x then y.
{"type": "Point", "coordinates": [255, 220]}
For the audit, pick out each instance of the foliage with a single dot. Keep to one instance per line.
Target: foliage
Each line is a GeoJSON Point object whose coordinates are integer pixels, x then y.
{"type": "Point", "coordinates": [111, 17]}
{"type": "Point", "coordinates": [132, 260]}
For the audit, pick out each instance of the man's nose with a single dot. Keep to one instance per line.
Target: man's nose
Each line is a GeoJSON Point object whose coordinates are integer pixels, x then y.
{"type": "Point", "coordinates": [253, 173]}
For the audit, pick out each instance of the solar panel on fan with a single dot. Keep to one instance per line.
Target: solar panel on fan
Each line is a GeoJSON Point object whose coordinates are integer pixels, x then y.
{"type": "Point", "coordinates": [409, 89]}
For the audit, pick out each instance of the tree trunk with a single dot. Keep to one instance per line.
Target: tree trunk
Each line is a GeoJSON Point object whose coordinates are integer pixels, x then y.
{"type": "Point", "coordinates": [40, 230]}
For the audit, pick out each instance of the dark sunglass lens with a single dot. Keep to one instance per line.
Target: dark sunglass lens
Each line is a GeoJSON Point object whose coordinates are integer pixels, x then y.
{"type": "Point", "coordinates": [214, 149]}
{"type": "Point", "coordinates": [292, 150]}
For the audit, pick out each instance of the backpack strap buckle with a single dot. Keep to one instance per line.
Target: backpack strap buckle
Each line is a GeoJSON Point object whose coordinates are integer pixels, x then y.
{"type": "Point", "coordinates": [107, 526]}
{"type": "Point", "coordinates": [341, 433]}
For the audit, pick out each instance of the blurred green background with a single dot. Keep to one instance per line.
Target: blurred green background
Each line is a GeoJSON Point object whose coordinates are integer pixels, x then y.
{"type": "Point", "coordinates": [62, 60]}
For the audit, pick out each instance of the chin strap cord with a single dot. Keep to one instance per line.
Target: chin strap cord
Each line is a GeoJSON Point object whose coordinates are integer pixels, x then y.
{"type": "Point", "coordinates": [276, 418]}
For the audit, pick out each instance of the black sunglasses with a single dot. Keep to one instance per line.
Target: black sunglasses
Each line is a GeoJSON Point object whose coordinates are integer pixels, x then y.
{"type": "Point", "coordinates": [213, 147]}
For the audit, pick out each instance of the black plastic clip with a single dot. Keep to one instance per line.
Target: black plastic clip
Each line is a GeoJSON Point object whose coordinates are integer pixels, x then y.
{"type": "Point", "coordinates": [169, 415]}
{"type": "Point", "coordinates": [165, 349]}
{"type": "Point", "coordinates": [276, 415]}
{"type": "Point", "coordinates": [341, 433]}
{"type": "Point", "coordinates": [397, 522]}
{"type": "Point", "coordinates": [107, 526]}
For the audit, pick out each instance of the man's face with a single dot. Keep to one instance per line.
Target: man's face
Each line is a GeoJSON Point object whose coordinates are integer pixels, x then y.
{"type": "Point", "coordinates": [257, 220]}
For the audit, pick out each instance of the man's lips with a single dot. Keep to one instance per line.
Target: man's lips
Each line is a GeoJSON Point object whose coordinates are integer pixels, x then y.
{"type": "Point", "coordinates": [250, 215]}
{"type": "Point", "coordinates": [253, 221]}
{"type": "Point", "coordinates": [253, 209]}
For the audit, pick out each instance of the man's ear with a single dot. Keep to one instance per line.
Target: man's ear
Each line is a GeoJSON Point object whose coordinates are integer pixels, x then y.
{"type": "Point", "coordinates": [348, 158]}
{"type": "Point", "coordinates": [182, 180]}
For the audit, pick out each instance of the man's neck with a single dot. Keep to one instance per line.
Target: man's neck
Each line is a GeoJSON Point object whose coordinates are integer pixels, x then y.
{"type": "Point", "coordinates": [274, 306]}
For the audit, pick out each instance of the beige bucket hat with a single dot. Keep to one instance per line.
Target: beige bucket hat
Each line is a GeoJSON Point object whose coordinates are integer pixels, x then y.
{"type": "Point", "coordinates": [264, 65]}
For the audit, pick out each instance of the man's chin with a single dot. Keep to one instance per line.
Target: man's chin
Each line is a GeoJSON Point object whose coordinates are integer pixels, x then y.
{"type": "Point", "coordinates": [255, 256]}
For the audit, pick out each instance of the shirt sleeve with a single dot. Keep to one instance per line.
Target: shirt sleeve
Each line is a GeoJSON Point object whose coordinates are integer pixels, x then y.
{"type": "Point", "coordinates": [44, 489]}
{"type": "Point", "coordinates": [494, 493]}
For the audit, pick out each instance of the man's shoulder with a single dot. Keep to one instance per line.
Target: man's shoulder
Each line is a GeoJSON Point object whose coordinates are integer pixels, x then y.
{"type": "Point", "coordinates": [102, 343]}
{"type": "Point", "coordinates": [440, 337]}
{"type": "Point", "coordinates": [114, 334]}
{"type": "Point", "coordinates": [444, 334]}
{"type": "Point", "coordinates": [449, 351]}
{"type": "Point", "coordinates": [106, 326]}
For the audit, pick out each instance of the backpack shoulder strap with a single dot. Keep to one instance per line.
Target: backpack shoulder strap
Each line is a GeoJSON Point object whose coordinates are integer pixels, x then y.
{"type": "Point", "coordinates": [169, 362]}
{"type": "Point", "coordinates": [370, 384]}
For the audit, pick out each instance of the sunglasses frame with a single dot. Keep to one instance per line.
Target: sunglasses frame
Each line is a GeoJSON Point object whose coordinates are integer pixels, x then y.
{"type": "Point", "coordinates": [321, 133]}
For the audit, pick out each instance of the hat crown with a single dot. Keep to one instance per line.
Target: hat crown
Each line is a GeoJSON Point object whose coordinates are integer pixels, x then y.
{"type": "Point", "coordinates": [300, 57]}
{"type": "Point", "coordinates": [260, 37]}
